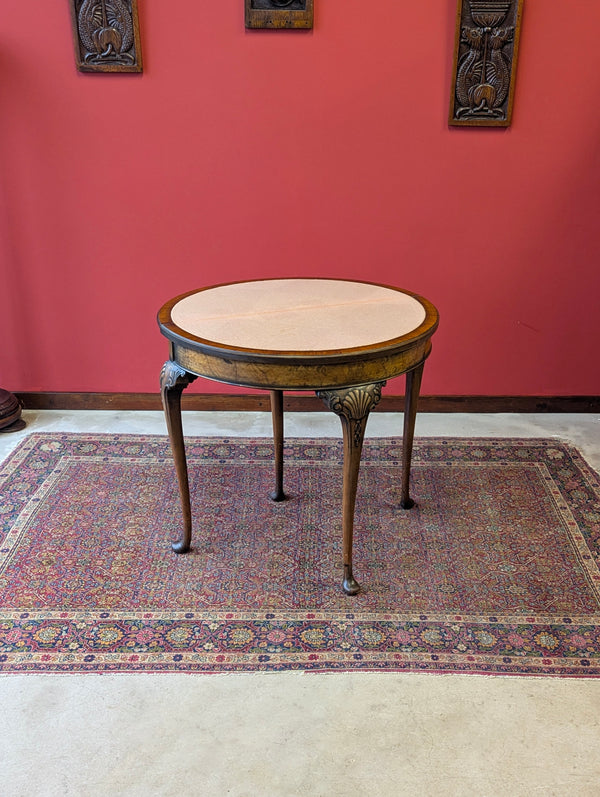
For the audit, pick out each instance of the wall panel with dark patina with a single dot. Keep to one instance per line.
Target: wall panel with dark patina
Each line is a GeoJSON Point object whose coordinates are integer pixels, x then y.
{"type": "Point", "coordinates": [106, 35]}
{"type": "Point", "coordinates": [485, 59]}
{"type": "Point", "coordinates": [279, 13]}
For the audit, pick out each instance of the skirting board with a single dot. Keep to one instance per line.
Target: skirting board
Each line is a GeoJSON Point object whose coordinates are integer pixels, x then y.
{"type": "Point", "coordinates": [308, 402]}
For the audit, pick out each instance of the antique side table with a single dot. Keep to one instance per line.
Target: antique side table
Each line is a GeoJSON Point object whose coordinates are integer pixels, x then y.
{"type": "Point", "coordinates": [339, 338]}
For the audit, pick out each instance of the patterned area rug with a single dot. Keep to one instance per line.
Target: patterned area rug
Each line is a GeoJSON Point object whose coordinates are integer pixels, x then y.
{"type": "Point", "coordinates": [494, 571]}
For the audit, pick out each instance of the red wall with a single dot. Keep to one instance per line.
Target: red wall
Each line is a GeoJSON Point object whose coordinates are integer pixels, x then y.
{"type": "Point", "coordinates": [239, 155]}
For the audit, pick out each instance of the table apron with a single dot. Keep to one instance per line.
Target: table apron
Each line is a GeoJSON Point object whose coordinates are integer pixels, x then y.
{"type": "Point", "coordinates": [289, 374]}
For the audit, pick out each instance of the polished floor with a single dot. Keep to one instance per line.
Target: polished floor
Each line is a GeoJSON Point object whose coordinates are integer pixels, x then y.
{"type": "Point", "coordinates": [281, 734]}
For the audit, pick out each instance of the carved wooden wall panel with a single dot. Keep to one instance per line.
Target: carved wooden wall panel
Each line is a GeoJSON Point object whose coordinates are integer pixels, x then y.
{"type": "Point", "coordinates": [485, 62]}
{"type": "Point", "coordinates": [106, 35]}
{"type": "Point", "coordinates": [279, 13]}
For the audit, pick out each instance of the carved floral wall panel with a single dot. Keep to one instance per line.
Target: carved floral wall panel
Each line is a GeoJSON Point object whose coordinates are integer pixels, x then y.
{"type": "Point", "coordinates": [106, 35]}
{"type": "Point", "coordinates": [485, 61]}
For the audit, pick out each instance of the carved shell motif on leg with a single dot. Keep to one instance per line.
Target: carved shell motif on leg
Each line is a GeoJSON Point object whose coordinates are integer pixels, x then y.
{"type": "Point", "coordinates": [353, 403]}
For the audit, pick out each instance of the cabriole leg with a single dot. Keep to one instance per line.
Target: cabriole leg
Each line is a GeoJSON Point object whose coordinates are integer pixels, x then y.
{"type": "Point", "coordinates": [413, 386]}
{"type": "Point", "coordinates": [277, 416]}
{"type": "Point", "coordinates": [173, 380]}
{"type": "Point", "coordinates": [353, 406]}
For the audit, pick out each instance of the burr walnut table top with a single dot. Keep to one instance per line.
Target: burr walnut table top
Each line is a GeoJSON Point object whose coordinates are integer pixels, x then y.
{"type": "Point", "coordinates": [298, 334]}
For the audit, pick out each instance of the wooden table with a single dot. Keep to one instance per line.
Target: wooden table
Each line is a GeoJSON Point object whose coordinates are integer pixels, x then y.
{"type": "Point", "coordinates": [341, 339]}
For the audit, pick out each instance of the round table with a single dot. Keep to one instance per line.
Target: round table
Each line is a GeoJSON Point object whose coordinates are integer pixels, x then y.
{"type": "Point", "coordinates": [342, 339]}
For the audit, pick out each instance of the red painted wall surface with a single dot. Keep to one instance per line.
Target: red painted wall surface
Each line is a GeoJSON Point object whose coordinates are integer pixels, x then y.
{"type": "Point", "coordinates": [239, 155]}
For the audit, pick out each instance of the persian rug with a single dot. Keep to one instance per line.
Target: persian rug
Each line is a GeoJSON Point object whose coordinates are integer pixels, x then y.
{"type": "Point", "coordinates": [494, 571]}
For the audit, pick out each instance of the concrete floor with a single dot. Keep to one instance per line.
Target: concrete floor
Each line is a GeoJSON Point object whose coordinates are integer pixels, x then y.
{"type": "Point", "coordinates": [290, 733]}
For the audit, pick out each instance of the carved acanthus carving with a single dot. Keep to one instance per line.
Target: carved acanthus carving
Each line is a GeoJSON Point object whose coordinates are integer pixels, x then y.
{"type": "Point", "coordinates": [485, 62]}
{"type": "Point", "coordinates": [106, 35]}
{"type": "Point", "coordinates": [173, 375]}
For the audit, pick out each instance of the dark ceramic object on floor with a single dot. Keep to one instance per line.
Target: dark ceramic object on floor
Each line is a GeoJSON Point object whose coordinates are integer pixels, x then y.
{"type": "Point", "coordinates": [10, 412]}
